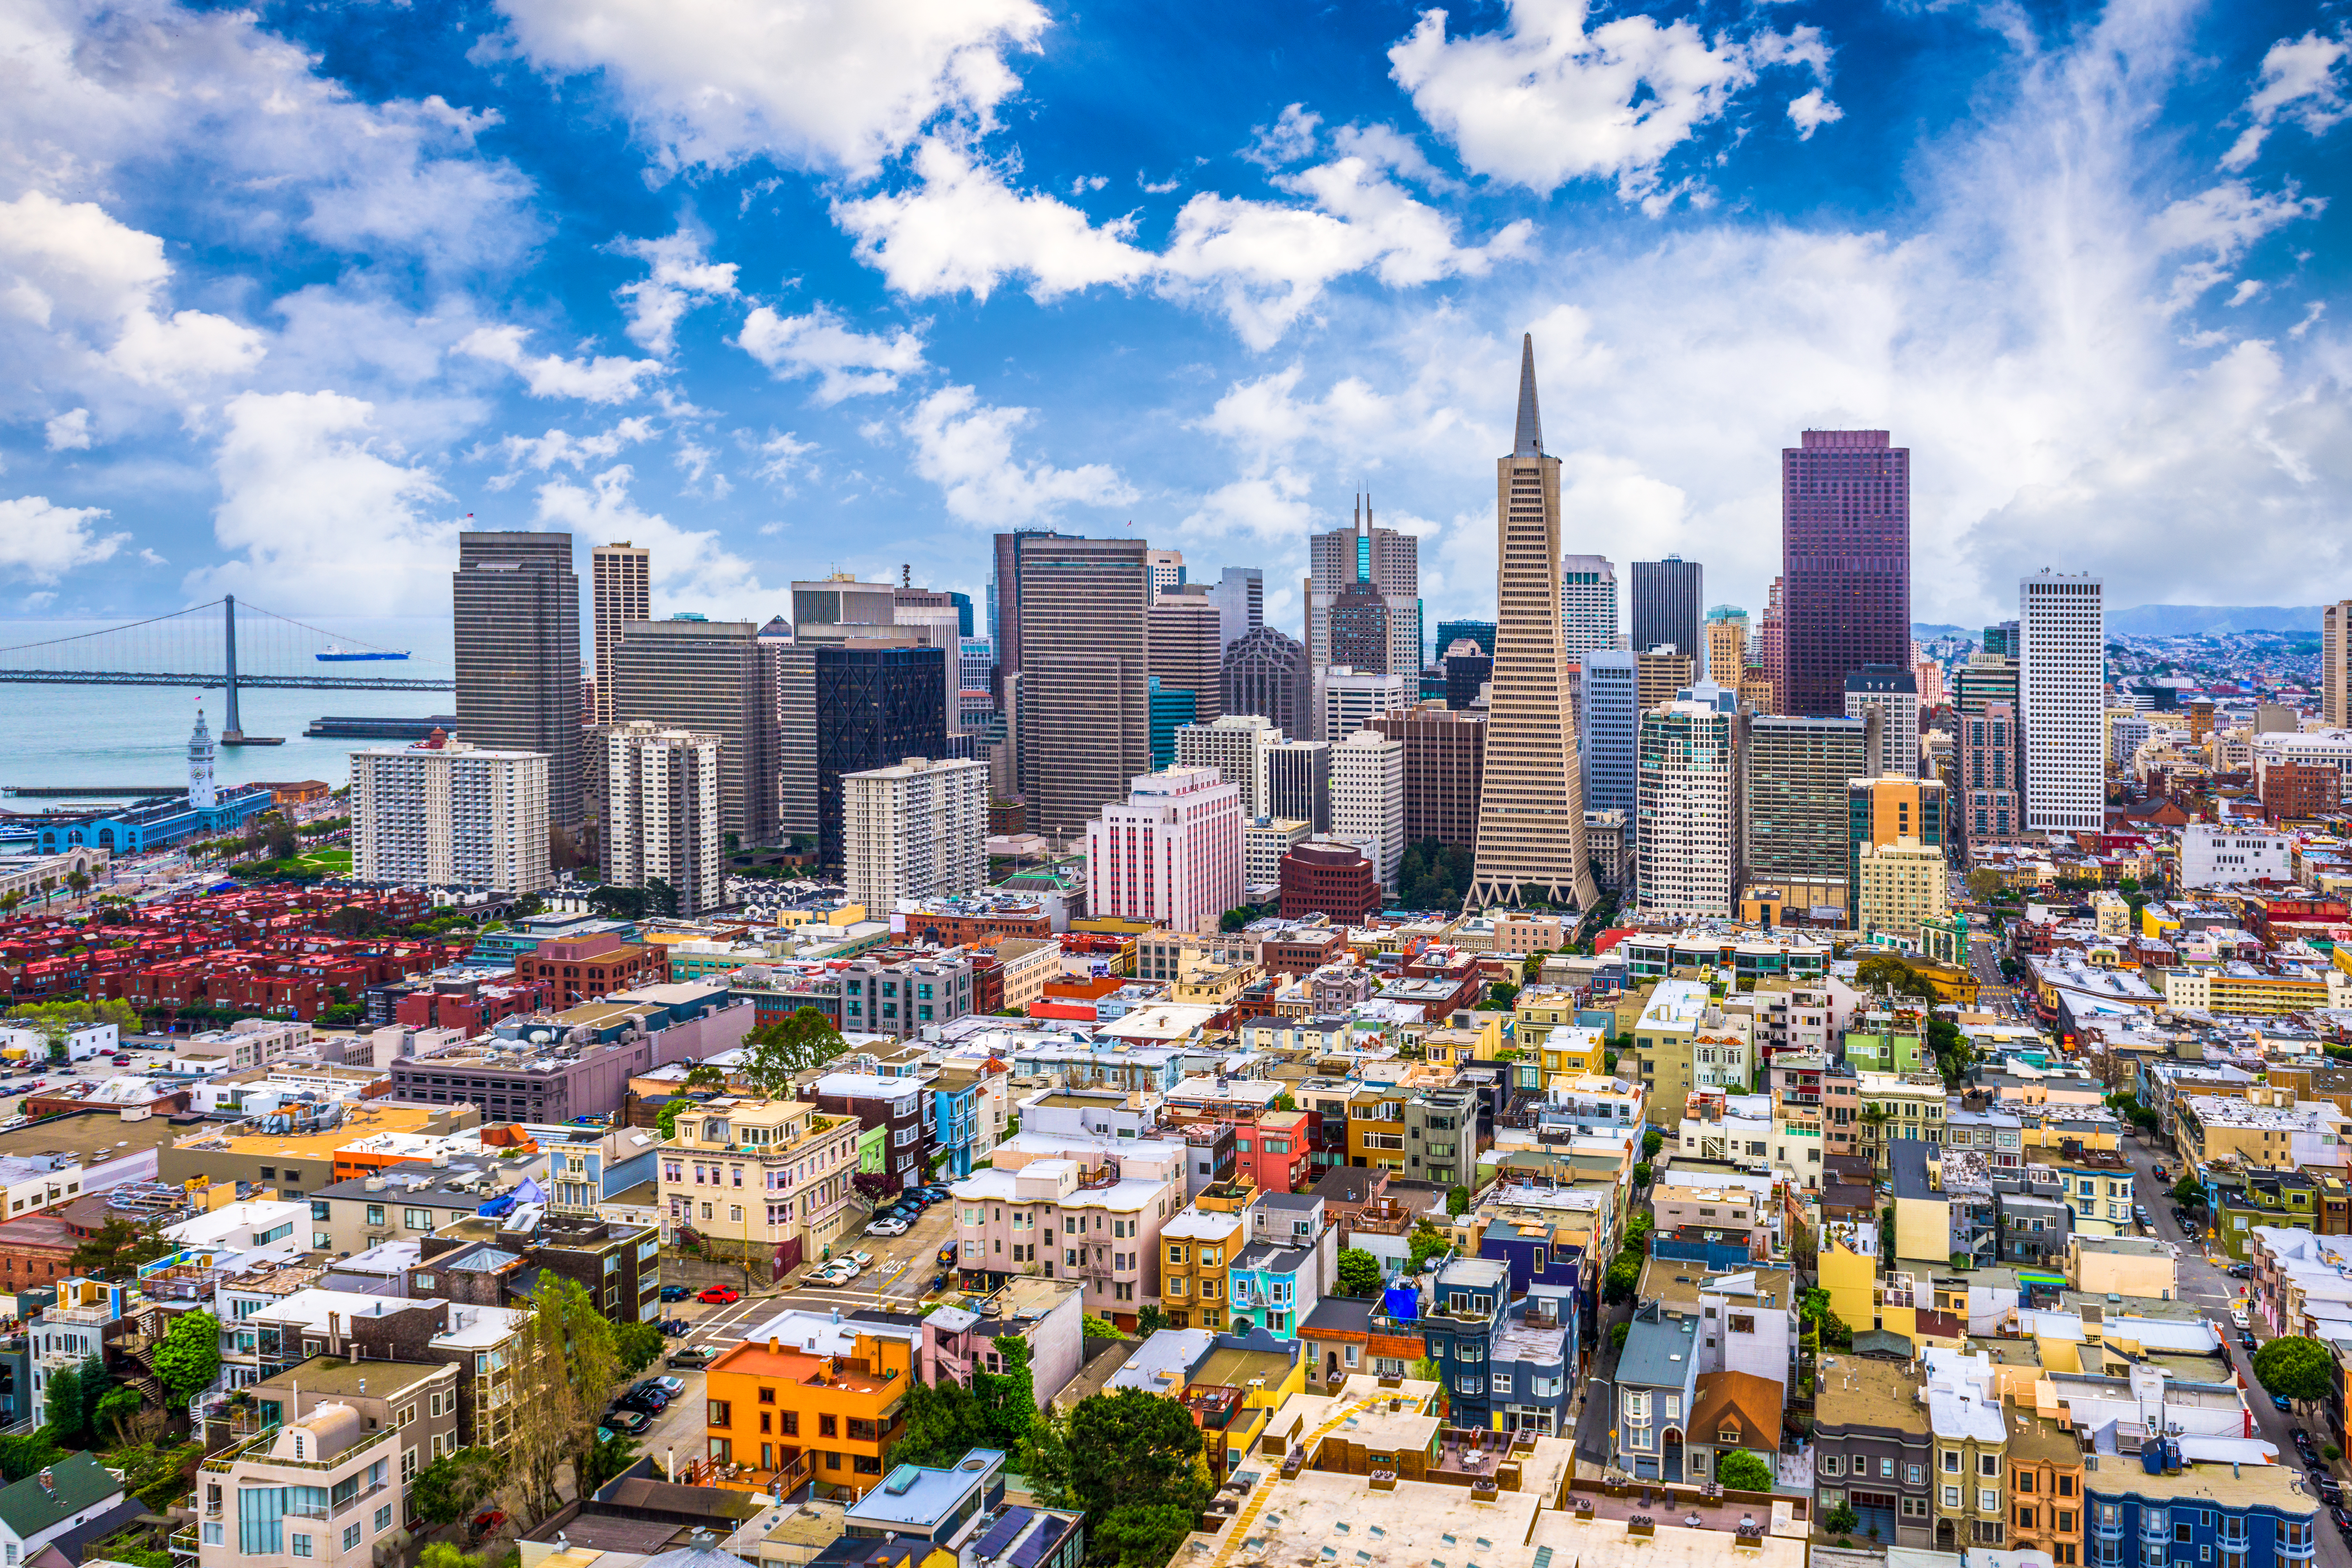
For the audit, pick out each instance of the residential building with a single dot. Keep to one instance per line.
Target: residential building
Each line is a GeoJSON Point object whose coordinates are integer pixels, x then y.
{"type": "Point", "coordinates": [1683, 1043]}
{"type": "Point", "coordinates": [516, 604]}
{"type": "Point", "coordinates": [323, 1487]}
{"type": "Point", "coordinates": [1988, 809]}
{"type": "Point", "coordinates": [2252, 1515]}
{"type": "Point", "coordinates": [1656, 1388]}
{"type": "Point", "coordinates": [1845, 570]}
{"type": "Point", "coordinates": [660, 810]}
{"type": "Point", "coordinates": [765, 1181]}
{"type": "Point", "coordinates": [1587, 605]}
{"type": "Point", "coordinates": [1368, 799]}
{"type": "Point", "coordinates": [2061, 688]}
{"type": "Point", "coordinates": [1531, 810]}
{"type": "Point", "coordinates": [1873, 1448]}
{"type": "Point", "coordinates": [1171, 855]}
{"type": "Point", "coordinates": [1082, 620]}
{"type": "Point", "coordinates": [1234, 745]}
{"type": "Point", "coordinates": [1267, 673]}
{"type": "Point", "coordinates": [1726, 645]}
{"type": "Point", "coordinates": [1690, 809]}
{"type": "Point", "coordinates": [1898, 887]}
{"type": "Point", "coordinates": [1793, 774]}
{"type": "Point", "coordinates": [1894, 691]}
{"type": "Point", "coordinates": [1074, 1207]}
{"type": "Point", "coordinates": [915, 830]}
{"type": "Point", "coordinates": [621, 582]}
{"type": "Point", "coordinates": [2335, 665]}
{"type": "Point", "coordinates": [1887, 810]}
{"type": "Point", "coordinates": [443, 813]}
{"type": "Point", "coordinates": [1669, 597]}
{"type": "Point", "coordinates": [780, 1419]}
{"type": "Point", "coordinates": [894, 1106]}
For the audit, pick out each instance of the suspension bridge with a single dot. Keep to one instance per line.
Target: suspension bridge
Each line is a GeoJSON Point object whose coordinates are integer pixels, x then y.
{"type": "Point", "coordinates": [205, 646]}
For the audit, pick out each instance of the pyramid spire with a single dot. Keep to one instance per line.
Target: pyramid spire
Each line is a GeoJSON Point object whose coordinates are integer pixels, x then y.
{"type": "Point", "coordinates": [1529, 440]}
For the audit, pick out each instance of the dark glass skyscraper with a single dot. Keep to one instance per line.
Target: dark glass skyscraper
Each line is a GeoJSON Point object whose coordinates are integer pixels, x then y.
{"type": "Point", "coordinates": [1845, 565]}
{"type": "Point", "coordinates": [1669, 602]}
{"type": "Point", "coordinates": [875, 707]}
{"type": "Point", "coordinates": [516, 600]}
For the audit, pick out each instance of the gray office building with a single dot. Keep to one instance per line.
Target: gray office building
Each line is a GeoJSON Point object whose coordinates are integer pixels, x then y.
{"type": "Point", "coordinates": [1079, 628]}
{"type": "Point", "coordinates": [516, 604]}
{"type": "Point", "coordinates": [1795, 788]}
{"type": "Point", "coordinates": [1240, 598]}
{"type": "Point", "coordinates": [1609, 710]}
{"type": "Point", "coordinates": [1298, 782]}
{"type": "Point", "coordinates": [718, 678]}
{"type": "Point", "coordinates": [1669, 606]}
{"type": "Point", "coordinates": [1265, 673]}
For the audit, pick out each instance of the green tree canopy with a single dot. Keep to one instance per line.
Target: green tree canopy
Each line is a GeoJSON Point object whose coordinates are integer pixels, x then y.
{"type": "Point", "coordinates": [2188, 1190]}
{"type": "Point", "coordinates": [117, 1247]}
{"type": "Point", "coordinates": [53, 1021]}
{"type": "Point", "coordinates": [1140, 1535]}
{"type": "Point", "coordinates": [1129, 1449]}
{"type": "Point", "coordinates": [453, 1485]}
{"type": "Point", "coordinates": [2295, 1368]}
{"type": "Point", "coordinates": [1652, 1141]}
{"type": "Point", "coordinates": [637, 1345]}
{"type": "Point", "coordinates": [27, 1455]}
{"type": "Point", "coordinates": [1432, 875]}
{"type": "Point", "coordinates": [775, 1053]}
{"type": "Point", "coordinates": [1624, 1274]}
{"type": "Point", "coordinates": [1742, 1471]}
{"type": "Point", "coordinates": [1359, 1272]}
{"type": "Point", "coordinates": [189, 1358]}
{"type": "Point", "coordinates": [1457, 1201]}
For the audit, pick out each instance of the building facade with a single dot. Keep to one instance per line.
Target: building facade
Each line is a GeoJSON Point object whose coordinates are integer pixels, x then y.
{"type": "Point", "coordinates": [1368, 799]}
{"type": "Point", "coordinates": [1894, 691]}
{"type": "Point", "coordinates": [1231, 745]}
{"type": "Point", "coordinates": [1588, 605]}
{"type": "Point", "coordinates": [714, 677]}
{"type": "Point", "coordinates": [621, 583]}
{"type": "Point", "coordinates": [916, 830]}
{"type": "Point", "coordinates": [516, 604]}
{"type": "Point", "coordinates": [1267, 673]}
{"type": "Point", "coordinates": [1171, 854]}
{"type": "Point", "coordinates": [1187, 649]}
{"type": "Point", "coordinates": [1795, 772]}
{"type": "Point", "coordinates": [1083, 717]}
{"type": "Point", "coordinates": [1845, 565]}
{"type": "Point", "coordinates": [1669, 597]}
{"type": "Point", "coordinates": [441, 813]}
{"type": "Point", "coordinates": [2060, 702]}
{"type": "Point", "coordinates": [1690, 810]}
{"type": "Point", "coordinates": [1444, 772]}
{"type": "Point", "coordinates": [661, 819]}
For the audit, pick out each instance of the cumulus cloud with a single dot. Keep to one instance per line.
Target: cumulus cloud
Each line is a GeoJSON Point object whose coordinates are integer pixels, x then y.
{"type": "Point", "coordinates": [830, 84]}
{"type": "Point", "coordinates": [561, 447]}
{"type": "Point", "coordinates": [40, 542]}
{"type": "Point", "coordinates": [847, 363]}
{"type": "Point", "coordinates": [70, 432]}
{"type": "Point", "coordinates": [2303, 81]}
{"type": "Point", "coordinates": [320, 506]}
{"type": "Point", "coordinates": [965, 447]}
{"type": "Point", "coordinates": [608, 378]}
{"type": "Point", "coordinates": [1811, 112]}
{"type": "Point", "coordinates": [780, 457]}
{"type": "Point", "coordinates": [681, 279]}
{"type": "Point", "coordinates": [692, 569]}
{"type": "Point", "coordinates": [1546, 102]}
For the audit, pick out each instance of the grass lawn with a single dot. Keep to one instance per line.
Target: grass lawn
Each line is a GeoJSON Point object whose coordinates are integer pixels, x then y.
{"type": "Point", "coordinates": [334, 862]}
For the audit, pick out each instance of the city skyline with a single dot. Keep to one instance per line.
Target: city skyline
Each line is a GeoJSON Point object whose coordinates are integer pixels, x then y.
{"type": "Point", "coordinates": [431, 316]}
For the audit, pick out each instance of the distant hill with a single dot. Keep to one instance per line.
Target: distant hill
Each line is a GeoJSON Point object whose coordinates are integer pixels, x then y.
{"type": "Point", "coordinates": [2189, 620]}
{"type": "Point", "coordinates": [1927, 631]}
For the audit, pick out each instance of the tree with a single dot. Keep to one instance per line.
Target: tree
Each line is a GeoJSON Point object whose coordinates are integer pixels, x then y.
{"type": "Point", "coordinates": [775, 1053]}
{"type": "Point", "coordinates": [568, 1367]}
{"type": "Point", "coordinates": [636, 1345]}
{"type": "Point", "coordinates": [1499, 997]}
{"type": "Point", "coordinates": [27, 1456]}
{"type": "Point", "coordinates": [1457, 1201]}
{"type": "Point", "coordinates": [1624, 1274]}
{"type": "Point", "coordinates": [1741, 1471]}
{"type": "Point", "coordinates": [1140, 1535]}
{"type": "Point", "coordinates": [661, 899]}
{"type": "Point", "coordinates": [1359, 1272]}
{"type": "Point", "coordinates": [609, 1460]}
{"type": "Point", "coordinates": [618, 903]}
{"type": "Point", "coordinates": [189, 1358]}
{"type": "Point", "coordinates": [118, 1247]}
{"type": "Point", "coordinates": [1652, 1141]}
{"type": "Point", "coordinates": [452, 1487]}
{"type": "Point", "coordinates": [946, 1420]}
{"type": "Point", "coordinates": [1841, 1521]}
{"type": "Point", "coordinates": [1149, 1319]}
{"type": "Point", "coordinates": [1130, 1449]}
{"type": "Point", "coordinates": [1234, 920]}
{"type": "Point", "coordinates": [65, 1425]}
{"type": "Point", "coordinates": [2295, 1368]}
{"type": "Point", "coordinates": [666, 1118]}
{"type": "Point", "coordinates": [1618, 1332]}
{"type": "Point", "coordinates": [118, 1407]}
{"type": "Point", "coordinates": [56, 1021]}
{"type": "Point", "coordinates": [704, 1075]}
{"type": "Point", "coordinates": [1642, 1173]}
{"type": "Point", "coordinates": [1425, 1242]}
{"type": "Point", "coordinates": [78, 881]}
{"type": "Point", "coordinates": [1093, 1328]}
{"type": "Point", "coordinates": [2188, 1191]}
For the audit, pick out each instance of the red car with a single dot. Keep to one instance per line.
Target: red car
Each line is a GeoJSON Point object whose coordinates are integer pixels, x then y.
{"type": "Point", "coordinates": [488, 1520]}
{"type": "Point", "coordinates": [719, 1296]}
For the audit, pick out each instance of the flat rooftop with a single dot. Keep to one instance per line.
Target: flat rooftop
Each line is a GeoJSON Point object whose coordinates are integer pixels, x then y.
{"type": "Point", "coordinates": [371, 1379]}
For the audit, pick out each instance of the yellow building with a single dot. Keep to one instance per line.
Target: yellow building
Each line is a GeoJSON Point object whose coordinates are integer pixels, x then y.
{"type": "Point", "coordinates": [754, 1177]}
{"type": "Point", "coordinates": [1543, 1025]}
{"type": "Point", "coordinates": [2262, 1129]}
{"type": "Point", "coordinates": [1902, 884]}
{"type": "Point", "coordinates": [1847, 1267]}
{"type": "Point", "coordinates": [1451, 1047]}
{"type": "Point", "coordinates": [1899, 1105]}
{"type": "Point", "coordinates": [2121, 1265]}
{"type": "Point", "coordinates": [2239, 990]}
{"type": "Point", "coordinates": [1196, 1258]}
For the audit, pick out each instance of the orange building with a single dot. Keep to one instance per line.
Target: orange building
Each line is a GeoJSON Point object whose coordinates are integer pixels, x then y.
{"type": "Point", "coordinates": [781, 1416]}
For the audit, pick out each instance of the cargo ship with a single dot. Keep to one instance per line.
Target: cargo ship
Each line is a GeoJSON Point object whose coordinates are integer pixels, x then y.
{"type": "Point", "coordinates": [337, 655]}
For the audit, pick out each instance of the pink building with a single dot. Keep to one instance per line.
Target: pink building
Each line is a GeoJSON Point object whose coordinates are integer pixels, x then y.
{"type": "Point", "coordinates": [1081, 1209]}
{"type": "Point", "coordinates": [1171, 855]}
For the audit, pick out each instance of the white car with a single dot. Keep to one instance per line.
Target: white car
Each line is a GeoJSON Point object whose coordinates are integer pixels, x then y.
{"type": "Point", "coordinates": [863, 1260]}
{"type": "Point", "coordinates": [887, 1228]}
{"type": "Point", "coordinates": [846, 1269]}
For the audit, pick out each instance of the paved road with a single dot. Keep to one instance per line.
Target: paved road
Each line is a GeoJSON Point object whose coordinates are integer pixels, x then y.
{"type": "Point", "coordinates": [2208, 1286]}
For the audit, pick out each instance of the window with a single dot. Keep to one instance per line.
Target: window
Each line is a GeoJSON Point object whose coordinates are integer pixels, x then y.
{"type": "Point", "coordinates": [1832, 1465]}
{"type": "Point", "coordinates": [1951, 1461]}
{"type": "Point", "coordinates": [1917, 1475]}
{"type": "Point", "coordinates": [1951, 1496]}
{"type": "Point", "coordinates": [416, 1219]}
{"type": "Point", "coordinates": [383, 1517]}
{"type": "Point", "coordinates": [351, 1535]}
{"type": "Point", "coordinates": [301, 1546]}
{"type": "Point", "coordinates": [1988, 1464]}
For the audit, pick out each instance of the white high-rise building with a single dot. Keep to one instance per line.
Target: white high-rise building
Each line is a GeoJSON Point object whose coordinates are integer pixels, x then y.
{"type": "Point", "coordinates": [1240, 598]}
{"type": "Point", "coordinates": [2060, 702]}
{"type": "Point", "coordinates": [1348, 699]}
{"type": "Point", "coordinates": [1690, 810]}
{"type": "Point", "coordinates": [1588, 605]}
{"type": "Point", "coordinates": [1171, 854]}
{"type": "Point", "coordinates": [1894, 690]}
{"type": "Point", "coordinates": [1235, 746]}
{"type": "Point", "coordinates": [1294, 779]}
{"type": "Point", "coordinates": [661, 811]}
{"type": "Point", "coordinates": [1167, 570]}
{"type": "Point", "coordinates": [1368, 800]}
{"type": "Point", "coordinates": [443, 814]}
{"type": "Point", "coordinates": [1264, 841]}
{"type": "Point", "coordinates": [919, 830]}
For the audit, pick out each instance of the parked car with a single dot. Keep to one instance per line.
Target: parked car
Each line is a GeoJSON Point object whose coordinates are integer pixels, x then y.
{"type": "Point", "coordinates": [2281, 1401]}
{"type": "Point", "coordinates": [2343, 1522]}
{"type": "Point", "coordinates": [123, 1061]}
{"type": "Point", "coordinates": [675, 1292]}
{"type": "Point", "coordinates": [887, 1228]}
{"type": "Point", "coordinates": [863, 1260]}
{"type": "Point", "coordinates": [719, 1296]}
{"type": "Point", "coordinates": [2139, 1213]}
{"type": "Point", "coordinates": [2247, 1343]}
{"type": "Point", "coordinates": [2240, 1271]}
{"type": "Point", "coordinates": [2158, 1172]}
{"type": "Point", "coordinates": [488, 1520]}
{"type": "Point", "coordinates": [693, 1356]}
{"type": "Point", "coordinates": [671, 1386]}
{"type": "Point", "coordinates": [652, 1401]}
{"type": "Point", "coordinates": [630, 1420]}
{"type": "Point", "coordinates": [677, 1328]}
{"type": "Point", "coordinates": [947, 1253]}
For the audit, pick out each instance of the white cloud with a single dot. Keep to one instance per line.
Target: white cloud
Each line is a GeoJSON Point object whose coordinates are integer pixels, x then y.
{"type": "Point", "coordinates": [608, 378]}
{"type": "Point", "coordinates": [692, 569]}
{"type": "Point", "coordinates": [848, 364]}
{"type": "Point", "coordinates": [70, 432]}
{"type": "Point", "coordinates": [1813, 111]}
{"type": "Point", "coordinates": [2222, 222]}
{"type": "Point", "coordinates": [317, 507]}
{"type": "Point", "coordinates": [1289, 139]}
{"type": "Point", "coordinates": [965, 447]}
{"type": "Point", "coordinates": [2302, 80]}
{"type": "Point", "coordinates": [681, 279]}
{"type": "Point", "coordinates": [40, 542]}
{"type": "Point", "coordinates": [1545, 101]}
{"type": "Point", "coordinates": [541, 453]}
{"type": "Point", "coordinates": [835, 84]}
{"type": "Point", "coordinates": [780, 455]}
{"type": "Point", "coordinates": [83, 277]}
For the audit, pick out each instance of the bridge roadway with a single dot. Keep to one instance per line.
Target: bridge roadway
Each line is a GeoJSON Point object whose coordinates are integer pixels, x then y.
{"type": "Point", "coordinates": [214, 682]}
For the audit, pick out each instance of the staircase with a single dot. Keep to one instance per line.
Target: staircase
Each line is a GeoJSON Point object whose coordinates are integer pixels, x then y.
{"type": "Point", "coordinates": [1240, 1526]}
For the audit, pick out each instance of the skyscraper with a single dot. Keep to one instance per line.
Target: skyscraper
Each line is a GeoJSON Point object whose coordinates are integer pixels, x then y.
{"type": "Point", "coordinates": [713, 678]}
{"type": "Point", "coordinates": [621, 589]}
{"type": "Point", "coordinates": [1726, 645]}
{"type": "Point", "coordinates": [1772, 635]}
{"type": "Point", "coordinates": [1082, 610]}
{"type": "Point", "coordinates": [1987, 811]}
{"type": "Point", "coordinates": [1240, 598]}
{"type": "Point", "coordinates": [1882, 811]}
{"type": "Point", "coordinates": [1531, 813]}
{"type": "Point", "coordinates": [2060, 702]}
{"type": "Point", "coordinates": [1610, 712]}
{"type": "Point", "coordinates": [516, 603]}
{"type": "Point", "coordinates": [1267, 673]}
{"type": "Point", "coordinates": [1480, 632]}
{"type": "Point", "coordinates": [1668, 597]}
{"type": "Point", "coordinates": [1588, 604]}
{"type": "Point", "coordinates": [1187, 648]}
{"type": "Point", "coordinates": [1390, 561]}
{"type": "Point", "coordinates": [1445, 768]}
{"type": "Point", "coordinates": [1894, 690]}
{"type": "Point", "coordinates": [661, 811]}
{"type": "Point", "coordinates": [1690, 809]}
{"type": "Point", "coordinates": [914, 830]}
{"type": "Point", "coordinates": [876, 705]}
{"type": "Point", "coordinates": [1231, 745]}
{"type": "Point", "coordinates": [441, 812]}
{"type": "Point", "coordinates": [1004, 600]}
{"type": "Point", "coordinates": [1294, 781]}
{"type": "Point", "coordinates": [1368, 799]}
{"type": "Point", "coordinates": [1351, 698]}
{"type": "Point", "coordinates": [1845, 562]}
{"type": "Point", "coordinates": [1171, 853]}
{"type": "Point", "coordinates": [1797, 773]}
{"type": "Point", "coordinates": [2335, 665]}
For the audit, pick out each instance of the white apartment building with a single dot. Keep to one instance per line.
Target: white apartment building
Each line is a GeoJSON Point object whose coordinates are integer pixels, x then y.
{"type": "Point", "coordinates": [1588, 605]}
{"type": "Point", "coordinates": [917, 830]}
{"type": "Point", "coordinates": [1689, 772]}
{"type": "Point", "coordinates": [321, 1491]}
{"type": "Point", "coordinates": [444, 814]}
{"type": "Point", "coordinates": [661, 811]}
{"type": "Point", "coordinates": [1368, 800]}
{"type": "Point", "coordinates": [1346, 700]}
{"type": "Point", "coordinates": [1264, 841]}
{"type": "Point", "coordinates": [2214, 856]}
{"type": "Point", "coordinates": [1894, 693]}
{"type": "Point", "coordinates": [1902, 884]}
{"type": "Point", "coordinates": [1171, 854]}
{"type": "Point", "coordinates": [1235, 746]}
{"type": "Point", "coordinates": [2308, 748]}
{"type": "Point", "coordinates": [763, 1180]}
{"type": "Point", "coordinates": [2060, 702]}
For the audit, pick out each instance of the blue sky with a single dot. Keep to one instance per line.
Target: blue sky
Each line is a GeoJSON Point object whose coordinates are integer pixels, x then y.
{"type": "Point", "coordinates": [286, 292]}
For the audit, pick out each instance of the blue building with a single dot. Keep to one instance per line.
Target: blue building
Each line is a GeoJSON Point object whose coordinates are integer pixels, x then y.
{"type": "Point", "coordinates": [1536, 1252]}
{"type": "Point", "coordinates": [1467, 1306]}
{"type": "Point", "coordinates": [202, 813]}
{"type": "Point", "coordinates": [2150, 1510]}
{"type": "Point", "coordinates": [1657, 1383]}
{"type": "Point", "coordinates": [1271, 1288]}
{"type": "Point", "coordinates": [957, 1110]}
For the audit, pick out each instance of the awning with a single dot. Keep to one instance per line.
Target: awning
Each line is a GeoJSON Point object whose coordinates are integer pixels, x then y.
{"type": "Point", "coordinates": [2031, 1276]}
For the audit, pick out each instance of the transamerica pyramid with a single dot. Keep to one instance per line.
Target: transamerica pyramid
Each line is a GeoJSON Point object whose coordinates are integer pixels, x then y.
{"type": "Point", "coordinates": [1531, 804]}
